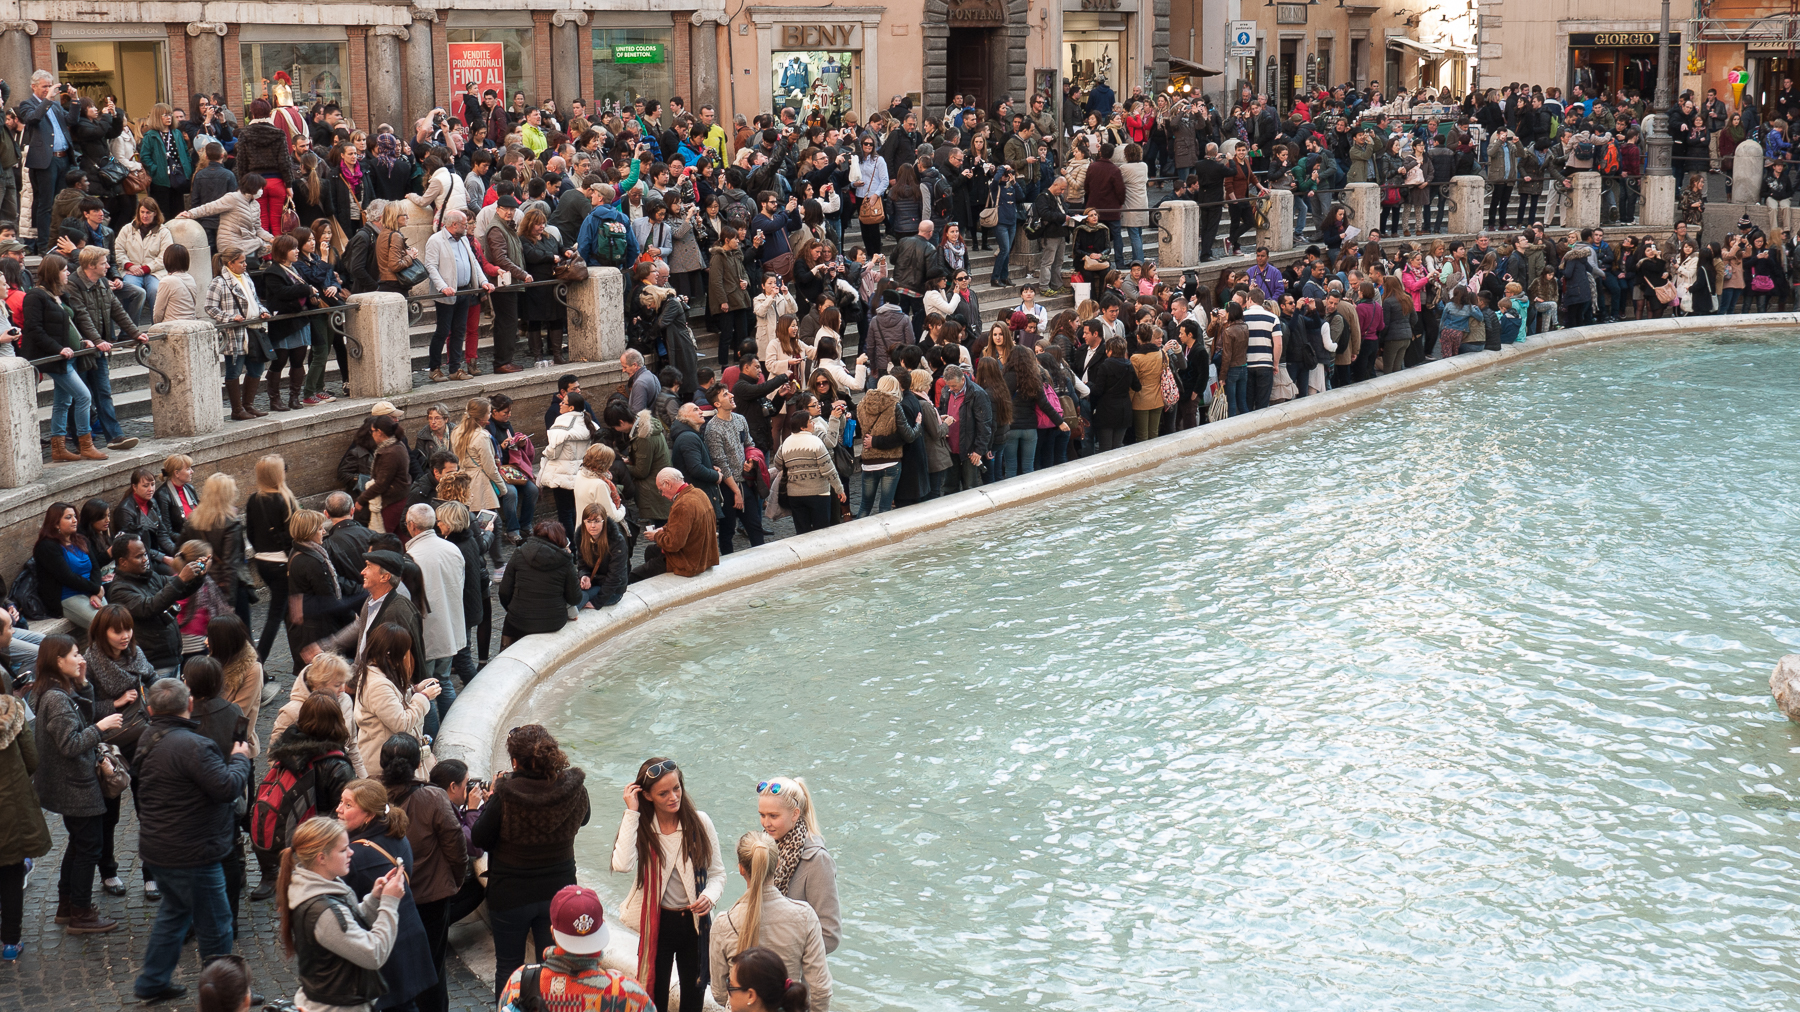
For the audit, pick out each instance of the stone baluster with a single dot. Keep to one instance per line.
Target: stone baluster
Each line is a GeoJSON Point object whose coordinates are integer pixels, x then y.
{"type": "Point", "coordinates": [188, 234]}
{"type": "Point", "coordinates": [597, 316]}
{"type": "Point", "coordinates": [1277, 231]}
{"type": "Point", "coordinates": [185, 378]}
{"type": "Point", "coordinates": [1178, 239]}
{"type": "Point", "coordinates": [377, 328]}
{"type": "Point", "coordinates": [1581, 207]}
{"type": "Point", "coordinates": [1364, 202]}
{"type": "Point", "coordinates": [1469, 194]}
{"type": "Point", "coordinates": [21, 458]}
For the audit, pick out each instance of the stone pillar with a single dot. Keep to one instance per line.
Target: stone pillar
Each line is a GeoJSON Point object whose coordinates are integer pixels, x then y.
{"type": "Point", "coordinates": [16, 62]}
{"type": "Point", "coordinates": [704, 46]}
{"type": "Point", "coordinates": [21, 461]}
{"type": "Point", "coordinates": [597, 316]}
{"type": "Point", "coordinates": [387, 96]}
{"type": "Point", "coordinates": [1178, 239]}
{"type": "Point", "coordinates": [377, 322]}
{"type": "Point", "coordinates": [1656, 208]}
{"type": "Point", "coordinates": [206, 58]}
{"type": "Point", "coordinates": [1364, 202]}
{"type": "Point", "coordinates": [188, 233]}
{"type": "Point", "coordinates": [1277, 232]}
{"type": "Point", "coordinates": [421, 96]}
{"type": "Point", "coordinates": [1583, 210]}
{"type": "Point", "coordinates": [1747, 173]}
{"type": "Point", "coordinates": [1467, 193]}
{"type": "Point", "coordinates": [566, 30]}
{"type": "Point", "coordinates": [185, 399]}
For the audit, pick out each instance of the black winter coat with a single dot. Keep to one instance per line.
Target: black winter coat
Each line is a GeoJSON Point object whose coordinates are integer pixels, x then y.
{"type": "Point", "coordinates": [296, 751]}
{"type": "Point", "coordinates": [149, 596]}
{"type": "Point", "coordinates": [1111, 382]}
{"type": "Point", "coordinates": [185, 792]}
{"type": "Point", "coordinates": [152, 527]}
{"type": "Point", "coordinates": [539, 600]}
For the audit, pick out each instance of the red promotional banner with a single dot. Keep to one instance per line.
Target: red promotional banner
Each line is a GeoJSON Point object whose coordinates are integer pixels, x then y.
{"type": "Point", "coordinates": [483, 63]}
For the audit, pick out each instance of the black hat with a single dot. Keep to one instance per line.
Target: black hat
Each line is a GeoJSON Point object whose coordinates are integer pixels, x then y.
{"type": "Point", "coordinates": [1744, 222]}
{"type": "Point", "coordinates": [508, 201]}
{"type": "Point", "coordinates": [393, 562]}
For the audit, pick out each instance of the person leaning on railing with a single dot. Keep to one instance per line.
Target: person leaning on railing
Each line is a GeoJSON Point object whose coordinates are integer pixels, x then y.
{"type": "Point", "coordinates": [240, 218]}
{"type": "Point", "coordinates": [46, 326]}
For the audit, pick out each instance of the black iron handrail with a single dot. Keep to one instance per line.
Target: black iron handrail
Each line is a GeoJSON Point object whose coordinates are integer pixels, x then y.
{"type": "Point", "coordinates": [415, 304]}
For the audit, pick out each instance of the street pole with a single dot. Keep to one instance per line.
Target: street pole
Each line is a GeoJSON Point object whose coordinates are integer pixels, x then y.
{"type": "Point", "coordinates": [1659, 158]}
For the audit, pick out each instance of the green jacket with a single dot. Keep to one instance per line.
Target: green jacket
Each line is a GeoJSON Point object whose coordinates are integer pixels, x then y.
{"type": "Point", "coordinates": [153, 151]}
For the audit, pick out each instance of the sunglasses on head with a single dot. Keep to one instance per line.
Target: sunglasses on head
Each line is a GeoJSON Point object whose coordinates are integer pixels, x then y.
{"type": "Point", "coordinates": [769, 787]}
{"type": "Point", "coordinates": [666, 766]}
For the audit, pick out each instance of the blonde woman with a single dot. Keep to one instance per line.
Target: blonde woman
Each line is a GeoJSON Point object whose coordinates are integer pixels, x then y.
{"type": "Point", "coordinates": [594, 484]}
{"type": "Point", "coordinates": [763, 918]}
{"type": "Point", "coordinates": [328, 673]}
{"type": "Point", "coordinates": [216, 522]}
{"type": "Point", "coordinates": [341, 942]}
{"type": "Point", "coordinates": [474, 449]}
{"type": "Point", "coordinates": [392, 254]}
{"type": "Point", "coordinates": [804, 870]}
{"type": "Point", "coordinates": [266, 515]}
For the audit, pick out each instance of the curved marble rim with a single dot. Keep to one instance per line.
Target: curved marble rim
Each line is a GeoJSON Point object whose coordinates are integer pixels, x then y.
{"type": "Point", "coordinates": [475, 730]}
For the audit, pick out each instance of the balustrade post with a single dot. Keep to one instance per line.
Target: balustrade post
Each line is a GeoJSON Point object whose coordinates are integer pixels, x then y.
{"type": "Point", "coordinates": [380, 346]}
{"type": "Point", "coordinates": [1277, 231]}
{"type": "Point", "coordinates": [597, 316]}
{"type": "Point", "coordinates": [185, 378]}
{"type": "Point", "coordinates": [1178, 238]}
{"type": "Point", "coordinates": [1469, 194]}
{"type": "Point", "coordinates": [21, 458]}
{"type": "Point", "coordinates": [1364, 202]}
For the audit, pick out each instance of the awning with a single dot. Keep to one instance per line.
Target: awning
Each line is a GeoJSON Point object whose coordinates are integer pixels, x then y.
{"type": "Point", "coordinates": [1424, 49]}
{"type": "Point", "coordinates": [1460, 50]}
{"type": "Point", "coordinates": [1191, 68]}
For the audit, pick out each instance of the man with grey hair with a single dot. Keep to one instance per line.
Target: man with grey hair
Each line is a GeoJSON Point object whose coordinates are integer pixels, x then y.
{"type": "Point", "coordinates": [644, 384]}
{"type": "Point", "coordinates": [185, 791]}
{"type": "Point", "coordinates": [442, 574]}
{"type": "Point", "coordinates": [459, 281]}
{"type": "Point", "coordinates": [346, 539]}
{"type": "Point", "coordinates": [687, 544]}
{"type": "Point", "coordinates": [49, 151]}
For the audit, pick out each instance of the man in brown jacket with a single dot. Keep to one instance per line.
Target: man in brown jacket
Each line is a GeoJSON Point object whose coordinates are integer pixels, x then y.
{"type": "Point", "coordinates": [689, 539]}
{"type": "Point", "coordinates": [1106, 191]}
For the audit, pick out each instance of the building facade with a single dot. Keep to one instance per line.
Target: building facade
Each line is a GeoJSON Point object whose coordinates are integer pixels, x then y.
{"type": "Point", "coordinates": [1597, 44]}
{"type": "Point", "coordinates": [388, 62]}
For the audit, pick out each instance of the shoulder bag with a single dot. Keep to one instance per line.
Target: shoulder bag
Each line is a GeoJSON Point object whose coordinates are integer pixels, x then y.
{"type": "Point", "coordinates": [990, 215]}
{"type": "Point", "coordinates": [870, 212]}
{"type": "Point", "coordinates": [110, 770]}
{"type": "Point", "coordinates": [377, 848]}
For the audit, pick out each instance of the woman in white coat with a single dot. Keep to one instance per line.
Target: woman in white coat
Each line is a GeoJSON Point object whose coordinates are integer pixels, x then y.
{"type": "Point", "coordinates": [564, 447]}
{"type": "Point", "coordinates": [387, 702]}
{"type": "Point", "coordinates": [763, 918]}
{"type": "Point", "coordinates": [671, 851]}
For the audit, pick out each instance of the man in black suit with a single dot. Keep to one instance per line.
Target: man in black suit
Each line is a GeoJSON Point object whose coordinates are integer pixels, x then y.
{"type": "Point", "coordinates": [49, 153]}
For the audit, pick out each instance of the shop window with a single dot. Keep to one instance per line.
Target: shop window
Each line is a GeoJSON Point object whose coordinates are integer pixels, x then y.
{"type": "Point", "coordinates": [1093, 50]}
{"type": "Point", "coordinates": [633, 63]}
{"type": "Point", "coordinates": [516, 50]}
{"type": "Point", "coordinates": [317, 70]}
{"type": "Point", "coordinates": [819, 86]}
{"type": "Point", "coordinates": [130, 72]}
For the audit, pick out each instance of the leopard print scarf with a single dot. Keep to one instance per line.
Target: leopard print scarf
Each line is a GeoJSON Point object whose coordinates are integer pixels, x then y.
{"type": "Point", "coordinates": [789, 862]}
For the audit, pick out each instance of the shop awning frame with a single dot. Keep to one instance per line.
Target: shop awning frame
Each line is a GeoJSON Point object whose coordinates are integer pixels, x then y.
{"type": "Point", "coordinates": [1191, 68]}
{"type": "Point", "coordinates": [1424, 49]}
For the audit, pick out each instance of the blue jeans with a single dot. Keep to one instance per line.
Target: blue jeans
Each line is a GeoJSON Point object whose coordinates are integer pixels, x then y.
{"type": "Point", "coordinates": [519, 507]}
{"type": "Point", "coordinates": [440, 670]}
{"type": "Point", "coordinates": [99, 384]}
{"type": "Point", "coordinates": [751, 515]}
{"type": "Point", "coordinates": [250, 368]}
{"type": "Point", "coordinates": [1018, 452]}
{"type": "Point", "coordinates": [1237, 389]}
{"type": "Point", "coordinates": [190, 896]}
{"type": "Point", "coordinates": [878, 488]}
{"type": "Point", "coordinates": [1299, 218]}
{"type": "Point", "coordinates": [1052, 448]}
{"type": "Point", "coordinates": [69, 400]}
{"type": "Point", "coordinates": [147, 284]}
{"type": "Point", "coordinates": [1003, 256]}
{"type": "Point", "coordinates": [453, 326]}
{"type": "Point", "coordinates": [1728, 300]}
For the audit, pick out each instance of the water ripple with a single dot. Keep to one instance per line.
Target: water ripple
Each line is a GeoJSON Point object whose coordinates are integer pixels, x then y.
{"type": "Point", "coordinates": [1456, 703]}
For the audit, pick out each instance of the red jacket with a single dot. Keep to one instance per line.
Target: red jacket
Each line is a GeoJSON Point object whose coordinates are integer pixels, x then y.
{"type": "Point", "coordinates": [1105, 188]}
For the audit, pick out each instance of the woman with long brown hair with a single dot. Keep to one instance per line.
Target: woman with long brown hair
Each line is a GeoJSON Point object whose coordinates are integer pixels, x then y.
{"type": "Point", "coordinates": [117, 669]}
{"type": "Point", "coordinates": [671, 850]}
{"type": "Point", "coordinates": [67, 738]}
{"type": "Point", "coordinates": [528, 829]}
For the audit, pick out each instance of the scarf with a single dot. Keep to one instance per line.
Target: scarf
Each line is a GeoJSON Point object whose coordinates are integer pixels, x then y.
{"type": "Point", "coordinates": [387, 148]}
{"type": "Point", "coordinates": [649, 915]}
{"type": "Point", "coordinates": [351, 173]}
{"type": "Point", "coordinates": [789, 861]}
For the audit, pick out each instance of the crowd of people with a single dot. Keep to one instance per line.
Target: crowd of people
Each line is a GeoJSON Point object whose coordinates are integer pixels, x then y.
{"type": "Point", "coordinates": [776, 234]}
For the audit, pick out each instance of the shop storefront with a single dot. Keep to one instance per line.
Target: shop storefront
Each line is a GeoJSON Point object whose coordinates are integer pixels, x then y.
{"type": "Point", "coordinates": [821, 69]}
{"type": "Point", "coordinates": [316, 59]}
{"type": "Point", "coordinates": [477, 36]}
{"type": "Point", "coordinates": [1096, 42]}
{"type": "Point", "coordinates": [633, 61]}
{"type": "Point", "coordinates": [1614, 61]}
{"type": "Point", "coordinates": [128, 63]}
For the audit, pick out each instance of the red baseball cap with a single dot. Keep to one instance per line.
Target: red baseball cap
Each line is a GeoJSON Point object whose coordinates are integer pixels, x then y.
{"type": "Point", "coordinates": [578, 921]}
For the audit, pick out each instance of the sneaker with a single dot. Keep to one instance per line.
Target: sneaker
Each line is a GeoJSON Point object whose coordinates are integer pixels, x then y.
{"type": "Point", "coordinates": [11, 953]}
{"type": "Point", "coordinates": [437, 375]}
{"type": "Point", "coordinates": [324, 398]}
{"type": "Point", "coordinates": [459, 376]}
{"type": "Point", "coordinates": [313, 399]}
{"type": "Point", "coordinates": [122, 443]}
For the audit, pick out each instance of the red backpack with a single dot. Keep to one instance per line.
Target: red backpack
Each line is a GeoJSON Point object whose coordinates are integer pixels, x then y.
{"type": "Point", "coordinates": [284, 800]}
{"type": "Point", "coordinates": [1609, 159]}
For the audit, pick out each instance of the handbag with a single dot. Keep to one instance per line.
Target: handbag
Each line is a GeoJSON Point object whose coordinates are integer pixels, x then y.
{"type": "Point", "coordinates": [1666, 294]}
{"type": "Point", "coordinates": [110, 770]}
{"type": "Point", "coordinates": [258, 345]}
{"type": "Point", "coordinates": [571, 271]}
{"type": "Point", "coordinates": [136, 182]}
{"type": "Point", "coordinates": [870, 212]}
{"type": "Point", "coordinates": [290, 218]}
{"type": "Point", "coordinates": [1762, 283]}
{"type": "Point", "coordinates": [1390, 196]}
{"type": "Point", "coordinates": [1171, 394]}
{"type": "Point", "coordinates": [136, 720]}
{"type": "Point", "coordinates": [413, 274]}
{"type": "Point", "coordinates": [112, 171]}
{"type": "Point", "coordinates": [990, 215]}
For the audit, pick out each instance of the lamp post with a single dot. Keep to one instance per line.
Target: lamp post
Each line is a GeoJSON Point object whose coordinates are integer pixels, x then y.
{"type": "Point", "coordinates": [1659, 156]}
